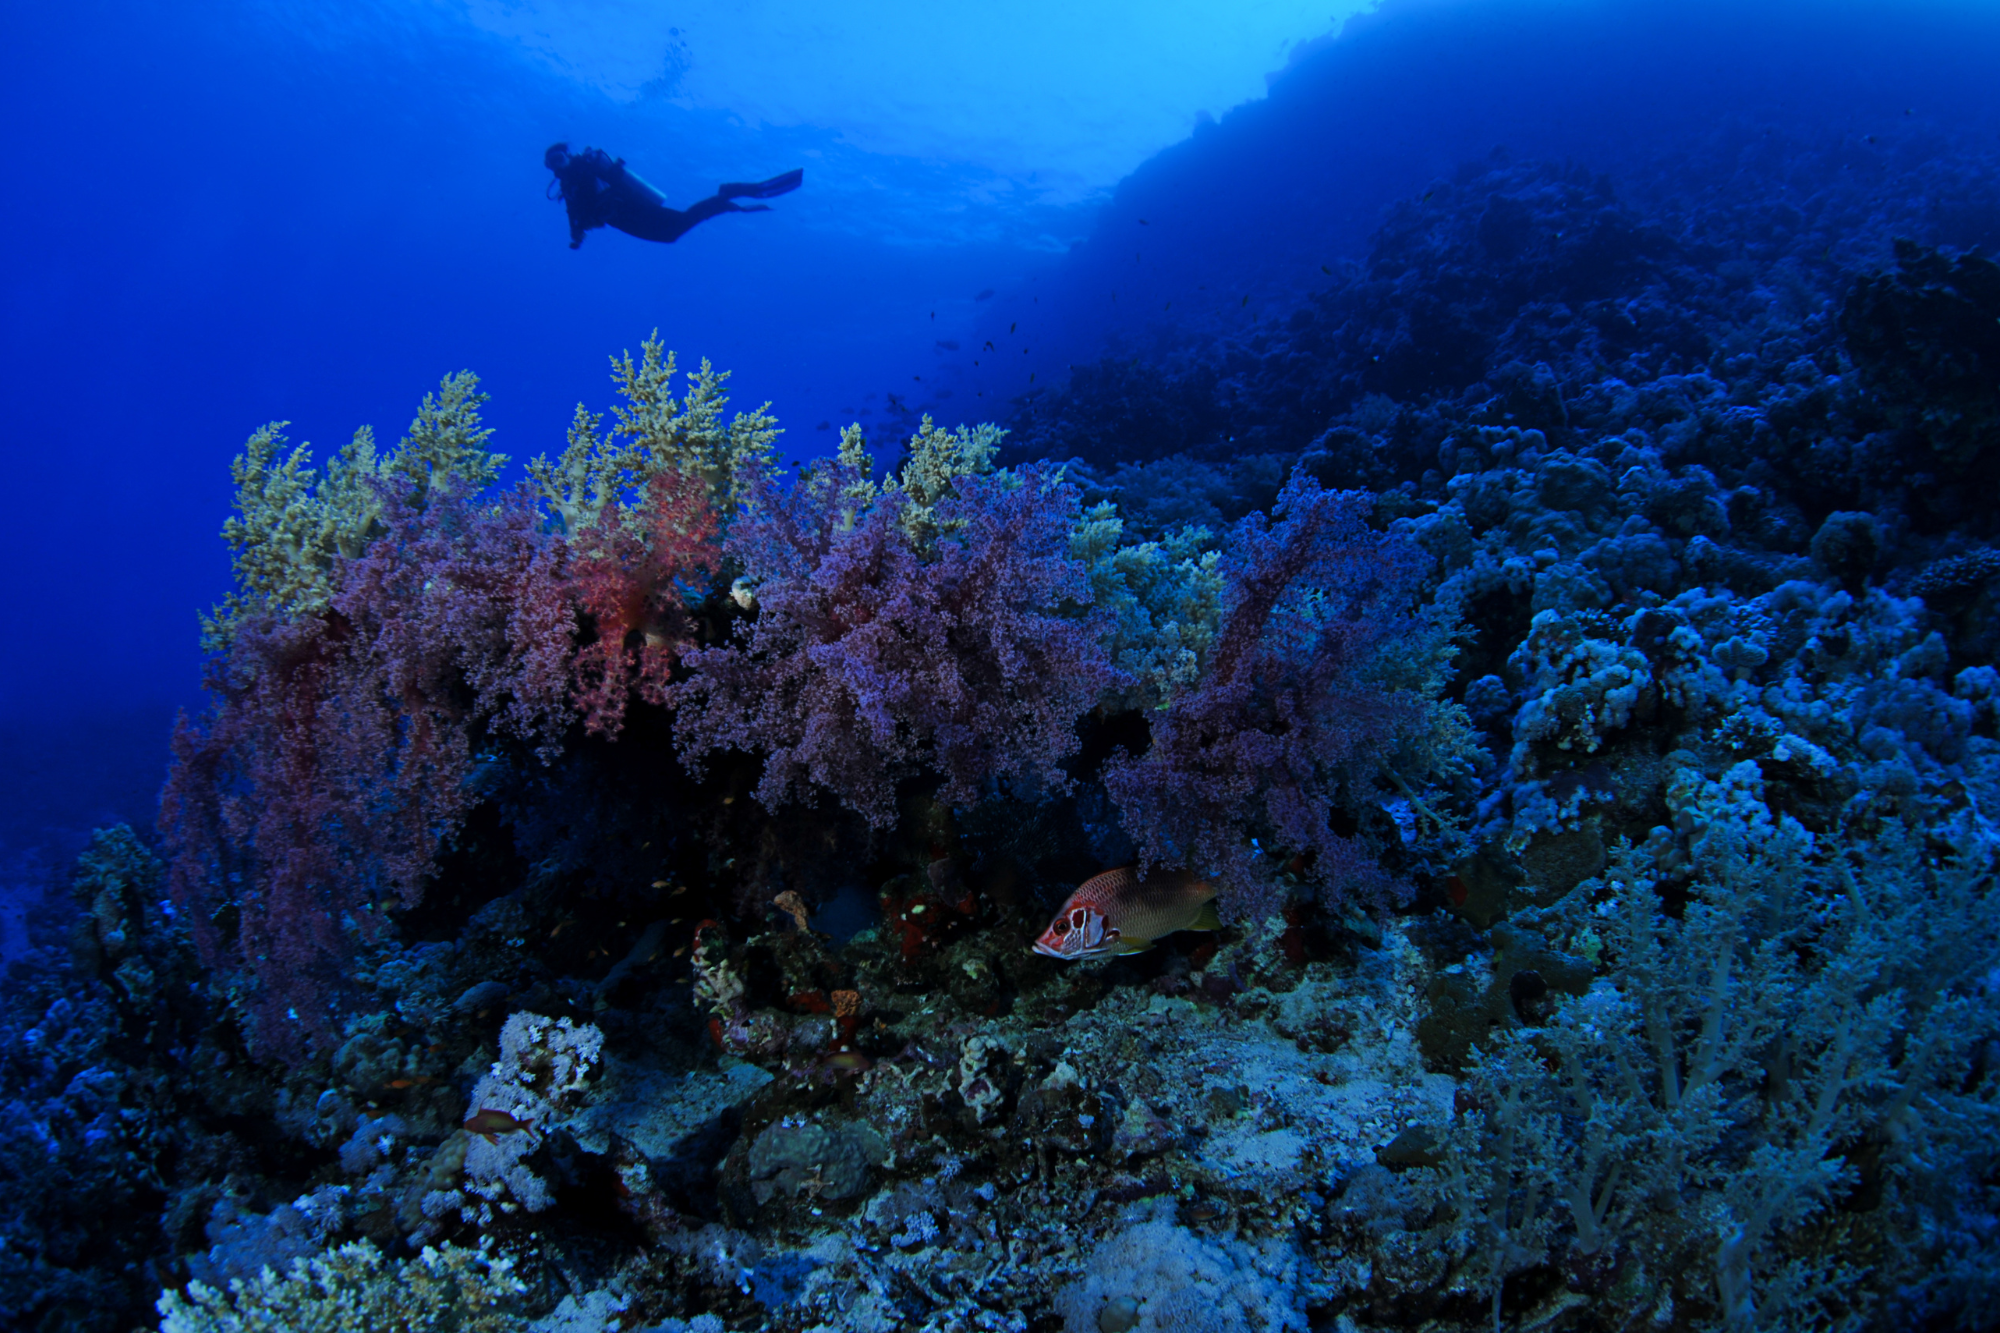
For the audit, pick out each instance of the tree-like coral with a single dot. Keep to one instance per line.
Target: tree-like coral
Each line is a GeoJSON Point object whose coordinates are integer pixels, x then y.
{"type": "Point", "coordinates": [336, 761]}
{"type": "Point", "coordinates": [631, 576]}
{"type": "Point", "coordinates": [293, 525]}
{"type": "Point", "coordinates": [1162, 602]}
{"type": "Point", "coordinates": [353, 1288]}
{"type": "Point", "coordinates": [1791, 1051]}
{"type": "Point", "coordinates": [872, 659]}
{"type": "Point", "coordinates": [1320, 672]}
{"type": "Point", "coordinates": [656, 434]}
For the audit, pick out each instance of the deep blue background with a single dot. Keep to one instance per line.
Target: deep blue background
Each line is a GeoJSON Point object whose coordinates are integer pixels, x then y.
{"type": "Point", "coordinates": [217, 218]}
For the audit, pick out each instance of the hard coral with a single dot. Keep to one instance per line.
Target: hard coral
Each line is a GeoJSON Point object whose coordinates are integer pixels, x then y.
{"type": "Point", "coordinates": [353, 1289]}
{"type": "Point", "coordinates": [1157, 1277]}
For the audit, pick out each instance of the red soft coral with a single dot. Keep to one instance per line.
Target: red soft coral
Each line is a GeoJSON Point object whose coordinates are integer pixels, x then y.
{"type": "Point", "coordinates": [629, 578]}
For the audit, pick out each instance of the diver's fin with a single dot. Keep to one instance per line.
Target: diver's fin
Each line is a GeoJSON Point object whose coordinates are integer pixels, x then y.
{"type": "Point", "coordinates": [1205, 919]}
{"type": "Point", "coordinates": [769, 189]}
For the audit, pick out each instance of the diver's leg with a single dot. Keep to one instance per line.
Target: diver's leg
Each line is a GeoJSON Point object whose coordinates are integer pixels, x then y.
{"type": "Point", "coordinates": [669, 224]}
{"type": "Point", "coordinates": [769, 189]}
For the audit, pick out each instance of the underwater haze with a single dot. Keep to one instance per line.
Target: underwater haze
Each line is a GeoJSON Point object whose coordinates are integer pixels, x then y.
{"type": "Point", "coordinates": [1177, 667]}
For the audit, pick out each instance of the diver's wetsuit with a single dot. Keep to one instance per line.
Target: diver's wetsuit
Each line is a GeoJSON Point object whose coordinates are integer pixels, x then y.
{"type": "Point", "coordinates": [599, 192]}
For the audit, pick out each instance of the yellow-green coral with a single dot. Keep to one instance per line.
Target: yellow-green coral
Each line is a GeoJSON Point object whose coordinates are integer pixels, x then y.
{"type": "Point", "coordinates": [1162, 602]}
{"type": "Point", "coordinates": [656, 433]}
{"type": "Point", "coordinates": [354, 1290]}
{"type": "Point", "coordinates": [937, 457]}
{"type": "Point", "coordinates": [293, 522]}
{"type": "Point", "coordinates": [447, 440]}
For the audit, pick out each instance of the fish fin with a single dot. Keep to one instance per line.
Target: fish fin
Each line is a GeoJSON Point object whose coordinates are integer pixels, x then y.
{"type": "Point", "coordinates": [1134, 946]}
{"type": "Point", "coordinates": [1206, 919]}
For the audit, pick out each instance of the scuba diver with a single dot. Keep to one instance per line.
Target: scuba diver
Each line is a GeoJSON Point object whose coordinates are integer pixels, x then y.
{"type": "Point", "coordinates": [598, 192]}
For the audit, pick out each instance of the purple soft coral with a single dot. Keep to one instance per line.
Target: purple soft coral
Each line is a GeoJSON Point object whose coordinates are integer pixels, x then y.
{"type": "Point", "coordinates": [871, 659]}
{"type": "Point", "coordinates": [337, 760]}
{"type": "Point", "coordinates": [1294, 716]}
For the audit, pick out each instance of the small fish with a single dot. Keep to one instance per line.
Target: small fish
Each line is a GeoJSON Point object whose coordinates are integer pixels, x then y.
{"type": "Point", "coordinates": [791, 905]}
{"type": "Point", "coordinates": [659, 884]}
{"type": "Point", "coordinates": [1117, 912]}
{"type": "Point", "coordinates": [489, 1124]}
{"type": "Point", "coordinates": [1015, 325]}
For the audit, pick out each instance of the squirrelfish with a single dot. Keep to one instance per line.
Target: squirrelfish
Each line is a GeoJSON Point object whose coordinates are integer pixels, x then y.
{"type": "Point", "coordinates": [1117, 912]}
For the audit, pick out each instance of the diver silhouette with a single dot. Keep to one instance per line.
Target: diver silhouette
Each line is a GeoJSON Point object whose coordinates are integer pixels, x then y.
{"type": "Point", "coordinates": [598, 191]}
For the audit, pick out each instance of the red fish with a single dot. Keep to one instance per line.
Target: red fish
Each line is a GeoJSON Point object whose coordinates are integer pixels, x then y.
{"type": "Point", "coordinates": [489, 1124]}
{"type": "Point", "coordinates": [1117, 912]}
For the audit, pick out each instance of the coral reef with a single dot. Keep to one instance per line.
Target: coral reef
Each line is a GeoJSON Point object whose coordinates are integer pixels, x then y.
{"type": "Point", "coordinates": [1584, 707]}
{"type": "Point", "coordinates": [351, 1289]}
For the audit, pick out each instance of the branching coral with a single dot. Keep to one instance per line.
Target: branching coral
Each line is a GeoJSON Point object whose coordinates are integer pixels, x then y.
{"type": "Point", "coordinates": [1795, 1038]}
{"type": "Point", "coordinates": [336, 761]}
{"type": "Point", "coordinates": [354, 1289]}
{"type": "Point", "coordinates": [1321, 670]}
{"type": "Point", "coordinates": [1161, 602]}
{"type": "Point", "coordinates": [656, 435]}
{"type": "Point", "coordinates": [937, 459]}
{"type": "Point", "coordinates": [542, 1075]}
{"type": "Point", "coordinates": [293, 525]}
{"type": "Point", "coordinates": [631, 577]}
{"type": "Point", "coordinates": [871, 660]}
